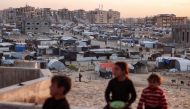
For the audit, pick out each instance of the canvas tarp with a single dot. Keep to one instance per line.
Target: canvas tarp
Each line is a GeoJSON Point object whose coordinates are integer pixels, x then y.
{"type": "Point", "coordinates": [182, 65]}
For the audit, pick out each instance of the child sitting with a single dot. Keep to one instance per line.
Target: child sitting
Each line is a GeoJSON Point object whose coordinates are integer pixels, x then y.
{"type": "Point", "coordinates": [153, 97]}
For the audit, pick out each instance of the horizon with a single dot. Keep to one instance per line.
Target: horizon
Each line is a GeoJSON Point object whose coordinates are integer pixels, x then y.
{"type": "Point", "coordinates": [125, 7]}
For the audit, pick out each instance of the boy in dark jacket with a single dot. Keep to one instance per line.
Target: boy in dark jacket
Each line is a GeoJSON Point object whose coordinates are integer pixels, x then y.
{"type": "Point", "coordinates": [60, 86]}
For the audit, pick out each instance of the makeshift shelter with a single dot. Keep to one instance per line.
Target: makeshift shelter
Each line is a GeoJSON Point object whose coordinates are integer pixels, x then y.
{"type": "Point", "coordinates": [140, 68]}
{"type": "Point", "coordinates": [182, 65]}
{"type": "Point", "coordinates": [55, 64]}
{"type": "Point", "coordinates": [20, 48]}
{"type": "Point", "coordinates": [104, 69]}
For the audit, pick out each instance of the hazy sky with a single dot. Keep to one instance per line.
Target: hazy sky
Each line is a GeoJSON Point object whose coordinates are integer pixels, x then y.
{"type": "Point", "coordinates": [128, 8]}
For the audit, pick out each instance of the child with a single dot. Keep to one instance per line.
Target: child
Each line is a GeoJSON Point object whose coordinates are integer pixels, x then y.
{"type": "Point", "coordinates": [121, 87]}
{"type": "Point", "coordinates": [60, 86]}
{"type": "Point", "coordinates": [153, 96]}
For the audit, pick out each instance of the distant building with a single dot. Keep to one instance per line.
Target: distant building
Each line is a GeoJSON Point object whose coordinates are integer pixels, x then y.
{"type": "Point", "coordinates": [140, 21]}
{"type": "Point", "coordinates": [113, 15]}
{"type": "Point", "coordinates": [80, 14]}
{"type": "Point", "coordinates": [166, 20]}
{"type": "Point", "coordinates": [46, 12]}
{"type": "Point", "coordinates": [102, 17]}
{"type": "Point", "coordinates": [130, 21]}
{"type": "Point", "coordinates": [181, 33]}
{"type": "Point", "coordinates": [150, 21]}
{"type": "Point", "coordinates": [35, 25]}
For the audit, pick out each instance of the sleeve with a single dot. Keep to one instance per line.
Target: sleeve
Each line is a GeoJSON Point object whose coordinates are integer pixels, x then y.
{"type": "Point", "coordinates": [164, 101]}
{"type": "Point", "coordinates": [141, 101]}
{"type": "Point", "coordinates": [108, 91]}
{"type": "Point", "coordinates": [133, 93]}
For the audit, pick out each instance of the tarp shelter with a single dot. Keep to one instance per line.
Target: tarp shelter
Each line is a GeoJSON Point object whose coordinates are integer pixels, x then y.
{"type": "Point", "coordinates": [182, 65]}
{"type": "Point", "coordinates": [106, 64]}
{"type": "Point", "coordinates": [55, 64]}
{"type": "Point", "coordinates": [140, 68]}
{"type": "Point", "coordinates": [20, 48]}
{"type": "Point", "coordinates": [128, 40]}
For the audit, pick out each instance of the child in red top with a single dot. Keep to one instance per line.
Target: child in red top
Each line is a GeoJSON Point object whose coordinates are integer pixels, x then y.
{"type": "Point", "coordinates": [153, 97]}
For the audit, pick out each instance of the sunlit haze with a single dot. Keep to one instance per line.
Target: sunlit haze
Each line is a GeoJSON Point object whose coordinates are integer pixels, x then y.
{"type": "Point", "coordinates": [128, 8]}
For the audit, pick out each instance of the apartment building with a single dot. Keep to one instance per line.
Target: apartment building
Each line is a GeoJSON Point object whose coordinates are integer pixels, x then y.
{"type": "Point", "coordinates": [150, 21]}
{"type": "Point", "coordinates": [35, 25]}
{"type": "Point", "coordinates": [64, 13]}
{"type": "Point", "coordinates": [140, 21]}
{"type": "Point", "coordinates": [181, 33]}
{"type": "Point", "coordinates": [113, 15]}
{"type": "Point", "coordinates": [130, 21]}
{"type": "Point", "coordinates": [45, 13]}
{"type": "Point", "coordinates": [102, 17]}
{"type": "Point", "coordinates": [166, 20]}
{"type": "Point", "coordinates": [81, 14]}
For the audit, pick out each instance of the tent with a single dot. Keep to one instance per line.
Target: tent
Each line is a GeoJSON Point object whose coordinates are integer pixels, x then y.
{"type": "Point", "coordinates": [140, 68]}
{"type": "Point", "coordinates": [182, 64]}
{"type": "Point", "coordinates": [20, 48]}
{"type": "Point", "coordinates": [55, 64]}
{"type": "Point", "coordinates": [128, 40]}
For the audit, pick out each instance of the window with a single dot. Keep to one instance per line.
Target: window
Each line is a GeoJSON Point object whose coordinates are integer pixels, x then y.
{"type": "Point", "coordinates": [36, 28]}
{"type": "Point", "coordinates": [187, 36]}
{"type": "Point", "coordinates": [37, 23]}
{"type": "Point", "coordinates": [28, 28]}
{"type": "Point", "coordinates": [28, 23]}
{"type": "Point", "coordinates": [183, 37]}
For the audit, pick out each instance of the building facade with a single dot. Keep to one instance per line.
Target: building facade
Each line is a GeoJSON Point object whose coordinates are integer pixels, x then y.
{"type": "Point", "coordinates": [112, 16]}
{"type": "Point", "coordinates": [181, 33]}
{"type": "Point", "coordinates": [35, 25]}
{"type": "Point", "coordinates": [166, 20]}
{"type": "Point", "coordinates": [103, 17]}
{"type": "Point", "coordinates": [150, 21]}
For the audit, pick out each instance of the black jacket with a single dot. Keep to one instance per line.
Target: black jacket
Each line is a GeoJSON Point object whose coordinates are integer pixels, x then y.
{"type": "Point", "coordinates": [121, 91]}
{"type": "Point", "coordinates": [51, 103]}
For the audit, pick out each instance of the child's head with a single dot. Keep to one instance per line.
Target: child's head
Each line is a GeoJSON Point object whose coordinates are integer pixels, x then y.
{"type": "Point", "coordinates": [154, 80]}
{"type": "Point", "coordinates": [60, 85]}
{"type": "Point", "coordinates": [121, 69]}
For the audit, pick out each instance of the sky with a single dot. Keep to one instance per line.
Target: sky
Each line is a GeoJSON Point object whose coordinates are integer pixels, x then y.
{"type": "Point", "coordinates": [127, 8]}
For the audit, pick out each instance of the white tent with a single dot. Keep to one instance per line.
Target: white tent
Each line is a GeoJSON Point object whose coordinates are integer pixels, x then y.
{"type": "Point", "coordinates": [55, 64]}
{"type": "Point", "coordinates": [182, 65]}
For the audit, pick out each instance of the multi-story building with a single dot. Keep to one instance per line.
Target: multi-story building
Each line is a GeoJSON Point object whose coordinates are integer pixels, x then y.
{"type": "Point", "coordinates": [64, 13]}
{"type": "Point", "coordinates": [140, 21]}
{"type": "Point", "coordinates": [80, 14]}
{"type": "Point", "coordinates": [35, 25]}
{"type": "Point", "coordinates": [181, 33]}
{"type": "Point", "coordinates": [130, 21]}
{"type": "Point", "coordinates": [46, 12]}
{"type": "Point", "coordinates": [102, 17]}
{"type": "Point", "coordinates": [166, 20]}
{"type": "Point", "coordinates": [113, 15]}
{"type": "Point", "coordinates": [150, 21]}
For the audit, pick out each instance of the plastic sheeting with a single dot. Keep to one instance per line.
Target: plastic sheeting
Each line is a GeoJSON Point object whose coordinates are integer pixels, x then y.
{"type": "Point", "coordinates": [20, 48]}
{"type": "Point", "coordinates": [182, 65]}
{"type": "Point", "coordinates": [55, 64]}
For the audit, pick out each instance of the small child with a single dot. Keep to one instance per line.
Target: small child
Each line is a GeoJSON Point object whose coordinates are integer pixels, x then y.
{"type": "Point", "coordinates": [121, 87]}
{"type": "Point", "coordinates": [153, 97]}
{"type": "Point", "coordinates": [60, 86]}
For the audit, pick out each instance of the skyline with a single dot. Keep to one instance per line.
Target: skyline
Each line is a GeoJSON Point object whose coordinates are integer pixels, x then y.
{"type": "Point", "coordinates": [142, 8]}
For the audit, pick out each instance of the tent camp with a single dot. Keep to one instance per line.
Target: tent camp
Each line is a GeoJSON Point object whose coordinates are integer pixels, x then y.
{"type": "Point", "coordinates": [182, 65]}
{"type": "Point", "coordinates": [55, 64]}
